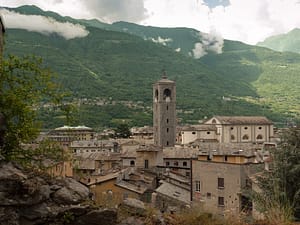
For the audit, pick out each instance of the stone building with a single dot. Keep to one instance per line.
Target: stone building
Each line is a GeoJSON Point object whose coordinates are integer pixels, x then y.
{"type": "Point", "coordinates": [219, 181]}
{"type": "Point", "coordinates": [164, 112]}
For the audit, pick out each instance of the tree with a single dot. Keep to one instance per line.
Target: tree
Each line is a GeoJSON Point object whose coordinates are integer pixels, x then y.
{"type": "Point", "coordinates": [24, 85]}
{"type": "Point", "coordinates": [280, 187]}
{"type": "Point", "coordinates": [122, 131]}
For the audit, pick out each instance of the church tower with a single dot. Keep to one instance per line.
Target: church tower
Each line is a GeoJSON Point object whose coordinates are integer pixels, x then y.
{"type": "Point", "coordinates": [164, 112]}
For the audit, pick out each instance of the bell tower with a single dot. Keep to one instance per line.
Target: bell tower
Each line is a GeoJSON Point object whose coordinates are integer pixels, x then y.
{"type": "Point", "coordinates": [164, 112]}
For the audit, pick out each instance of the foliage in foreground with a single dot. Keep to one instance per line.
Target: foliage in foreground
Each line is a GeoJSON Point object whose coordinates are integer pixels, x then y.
{"type": "Point", "coordinates": [24, 84]}
{"type": "Point", "coordinates": [279, 198]}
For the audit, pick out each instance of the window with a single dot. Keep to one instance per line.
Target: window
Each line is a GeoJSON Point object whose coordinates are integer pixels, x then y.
{"type": "Point", "coordinates": [220, 182]}
{"type": "Point", "coordinates": [156, 94]}
{"type": "Point", "coordinates": [246, 128]}
{"type": "Point", "coordinates": [167, 120]}
{"type": "Point", "coordinates": [245, 137]}
{"type": "Point", "coordinates": [176, 163]}
{"type": "Point", "coordinates": [193, 132]}
{"type": "Point", "coordinates": [167, 107]}
{"type": "Point", "coordinates": [146, 163]}
{"type": "Point", "coordinates": [167, 143]}
{"type": "Point", "coordinates": [132, 163]}
{"type": "Point", "coordinates": [225, 158]}
{"type": "Point", "coordinates": [167, 163]}
{"type": "Point", "coordinates": [187, 174]}
{"type": "Point", "coordinates": [207, 132]}
{"type": "Point", "coordinates": [208, 195]}
{"type": "Point", "coordinates": [259, 137]}
{"type": "Point", "coordinates": [232, 137]}
{"type": "Point", "coordinates": [197, 185]}
{"type": "Point", "coordinates": [259, 128]}
{"type": "Point", "coordinates": [167, 130]}
{"type": "Point", "coordinates": [220, 201]}
{"type": "Point", "coordinates": [231, 128]}
{"type": "Point", "coordinates": [184, 163]}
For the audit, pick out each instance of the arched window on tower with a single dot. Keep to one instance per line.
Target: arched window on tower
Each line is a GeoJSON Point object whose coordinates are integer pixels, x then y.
{"type": "Point", "coordinates": [167, 95]}
{"type": "Point", "coordinates": [156, 95]}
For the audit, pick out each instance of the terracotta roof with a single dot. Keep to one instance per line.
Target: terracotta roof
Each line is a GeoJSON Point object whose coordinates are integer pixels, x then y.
{"type": "Point", "coordinates": [200, 127]}
{"type": "Point", "coordinates": [73, 128]}
{"type": "Point", "coordinates": [148, 148]}
{"type": "Point", "coordinates": [243, 120]}
{"type": "Point", "coordinates": [174, 192]}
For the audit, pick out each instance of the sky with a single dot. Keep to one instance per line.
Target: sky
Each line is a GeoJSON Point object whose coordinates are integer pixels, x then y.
{"type": "Point", "coordinates": [249, 21]}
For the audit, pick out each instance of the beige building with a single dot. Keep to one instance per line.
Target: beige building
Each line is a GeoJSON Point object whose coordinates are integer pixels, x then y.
{"type": "Point", "coordinates": [236, 129]}
{"type": "Point", "coordinates": [113, 188]}
{"type": "Point", "coordinates": [93, 146]}
{"type": "Point", "coordinates": [149, 157]}
{"type": "Point", "coordinates": [219, 181]}
{"type": "Point", "coordinates": [230, 129]}
{"type": "Point", "coordinates": [200, 132]}
{"type": "Point", "coordinates": [66, 134]}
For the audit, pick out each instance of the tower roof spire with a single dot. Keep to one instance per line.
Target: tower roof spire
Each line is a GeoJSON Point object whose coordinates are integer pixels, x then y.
{"type": "Point", "coordinates": [164, 75]}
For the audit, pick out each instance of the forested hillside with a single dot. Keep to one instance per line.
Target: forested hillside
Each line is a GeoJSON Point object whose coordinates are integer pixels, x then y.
{"type": "Point", "coordinates": [110, 73]}
{"type": "Point", "coordinates": [289, 42]}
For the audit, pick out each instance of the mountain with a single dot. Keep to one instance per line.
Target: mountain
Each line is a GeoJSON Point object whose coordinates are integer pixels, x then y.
{"type": "Point", "coordinates": [289, 42]}
{"type": "Point", "coordinates": [110, 73]}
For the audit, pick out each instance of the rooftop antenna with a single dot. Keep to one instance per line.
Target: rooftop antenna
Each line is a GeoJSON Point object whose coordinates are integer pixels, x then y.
{"type": "Point", "coordinates": [164, 75]}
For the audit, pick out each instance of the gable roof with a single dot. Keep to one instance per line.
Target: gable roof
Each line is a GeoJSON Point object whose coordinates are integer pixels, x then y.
{"type": "Point", "coordinates": [240, 120]}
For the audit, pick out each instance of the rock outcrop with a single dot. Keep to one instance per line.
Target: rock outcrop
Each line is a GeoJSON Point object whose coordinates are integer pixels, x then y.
{"type": "Point", "coordinates": [29, 198]}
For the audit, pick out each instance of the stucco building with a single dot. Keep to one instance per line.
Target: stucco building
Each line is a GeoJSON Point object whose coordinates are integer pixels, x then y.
{"type": "Point", "coordinates": [219, 181]}
{"type": "Point", "coordinates": [66, 134]}
{"type": "Point", "coordinates": [230, 129]}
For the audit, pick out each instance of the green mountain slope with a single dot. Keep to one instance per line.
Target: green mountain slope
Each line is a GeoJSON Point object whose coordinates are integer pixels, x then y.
{"type": "Point", "coordinates": [110, 74]}
{"type": "Point", "coordinates": [289, 42]}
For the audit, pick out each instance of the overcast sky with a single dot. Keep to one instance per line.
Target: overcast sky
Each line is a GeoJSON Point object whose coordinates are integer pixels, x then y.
{"type": "Point", "coordinates": [249, 21]}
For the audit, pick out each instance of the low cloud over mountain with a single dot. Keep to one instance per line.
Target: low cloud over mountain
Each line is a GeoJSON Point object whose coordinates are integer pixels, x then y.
{"type": "Point", "coordinates": [42, 25]}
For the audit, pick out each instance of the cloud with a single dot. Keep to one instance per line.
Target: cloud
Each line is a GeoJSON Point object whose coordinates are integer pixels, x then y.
{"type": "Point", "coordinates": [42, 25]}
{"type": "Point", "coordinates": [117, 10]}
{"type": "Point", "coordinates": [161, 40]}
{"type": "Point", "coordinates": [210, 42]}
{"type": "Point", "coordinates": [247, 21]}
{"type": "Point", "coordinates": [253, 21]}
